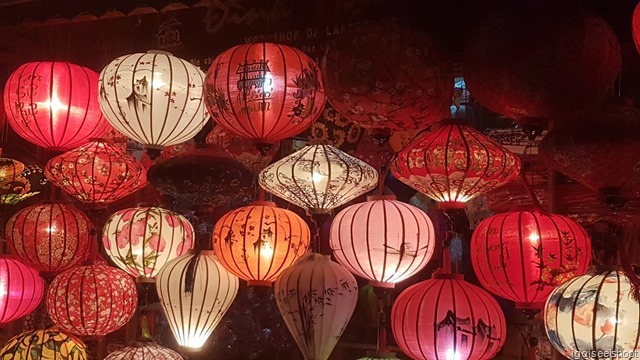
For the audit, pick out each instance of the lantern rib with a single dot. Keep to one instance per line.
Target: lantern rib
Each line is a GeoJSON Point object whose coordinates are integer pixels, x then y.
{"type": "Point", "coordinates": [393, 277]}
{"type": "Point", "coordinates": [435, 317]}
{"type": "Point", "coordinates": [227, 122]}
{"type": "Point", "coordinates": [171, 312]}
{"type": "Point", "coordinates": [328, 155]}
{"type": "Point", "coordinates": [379, 277]}
{"type": "Point", "coordinates": [575, 305]}
{"type": "Point", "coordinates": [535, 298]}
{"type": "Point", "coordinates": [502, 256]}
{"type": "Point", "coordinates": [594, 320]}
{"type": "Point", "coordinates": [471, 132]}
{"type": "Point", "coordinates": [121, 122]}
{"type": "Point", "coordinates": [615, 330]}
{"type": "Point", "coordinates": [353, 237]}
{"type": "Point", "coordinates": [66, 123]}
{"type": "Point", "coordinates": [244, 95]}
{"type": "Point", "coordinates": [522, 260]}
{"type": "Point", "coordinates": [142, 136]}
{"type": "Point", "coordinates": [495, 309]}
{"type": "Point", "coordinates": [157, 59]}
{"type": "Point", "coordinates": [28, 129]}
{"type": "Point", "coordinates": [264, 133]}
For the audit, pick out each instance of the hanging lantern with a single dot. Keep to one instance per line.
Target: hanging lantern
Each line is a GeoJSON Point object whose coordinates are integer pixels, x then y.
{"type": "Point", "coordinates": [319, 178]}
{"type": "Point", "coordinates": [240, 149]}
{"type": "Point", "coordinates": [383, 240]}
{"type": "Point", "coordinates": [19, 186]}
{"type": "Point", "coordinates": [259, 241]}
{"type": "Point", "coordinates": [96, 173]}
{"type": "Point", "coordinates": [454, 164]}
{"type": "Point", "coordinates": [44, 345]}
{"type": "Point", "coordinates": [316, 298]}
{"type": "Point", "coordinates": [155, 98]}
{"type": "Point", "coordinates": [544, 249]}
{"type": "Point", "coordinates": [92, 300]}
{"type": "Point", "coordinates": [9, 168]}
{"type": "Point", "coordinates": [265, 92]}
{"type": "Point", "coordinates": [50, 237]}
{"type": "Point", "coordinates": [21, 289]}
{"type": "Point", "coordinates": [144, 351]}
{"type": "Point", "coordinates": [54, 104]}
{"type": "Point", "coordinates": [195, 279]}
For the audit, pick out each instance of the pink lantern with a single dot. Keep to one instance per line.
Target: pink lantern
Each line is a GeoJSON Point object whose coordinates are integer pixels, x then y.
{"type": "Point", "coordinates": [21, 289]}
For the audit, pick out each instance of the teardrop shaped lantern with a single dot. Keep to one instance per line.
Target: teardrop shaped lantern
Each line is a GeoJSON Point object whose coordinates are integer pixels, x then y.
{"type": "Point", "coordinates": [316, 298]}
{"type": "Point", "coordinates": [54, 104]}
{"type": "Point", "coordinates": [383, 240]}
{"type": "Point", "coordinates": [96, 173]}
{"type": "Point", "coordinates": [144, 351]}
{"type": "Point", "coordinates": [319, 178]}
{"type": "Point", "coordinates": [544, 250]}
{"type": "Point", "coordinates": [142, 240]}
{"type": "Point", "coordinates": [43, 345]}
{"type": "Point", "coordinates": [195, 292]}
{"type": "Point", "coordinates": [455, 163]}
{"type": "Point", "coordinates": [264, 92]}
{"type": "Point", "coordinates": [21, 289]}
{"type": "Point", "coordinates": [154, 98]}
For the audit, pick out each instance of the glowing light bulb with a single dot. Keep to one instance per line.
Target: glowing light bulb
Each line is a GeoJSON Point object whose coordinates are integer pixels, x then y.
{"type": "Point", "coordinates": [534, 238]}
{"type": "Point", "coordinates": [267, 84]}
{"type": "Point", "coordinates": [54, 104]}
{"type": "Point", "coordinates": [317, 177]}
{"type": "Point", "coordinates": [51, 229]}
{"type": "Point", "coordinates": [266, 251]}
{"type": "Point", "coordinates": [452, 355]}
{"type": "Point", "coordinates": [157, 82]}
{"type": "Point", "coordinates": [3, 290]}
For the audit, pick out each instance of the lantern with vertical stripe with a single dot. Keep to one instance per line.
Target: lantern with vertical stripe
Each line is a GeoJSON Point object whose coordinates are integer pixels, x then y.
{"type": "Point", "coordinates": [21, 289]}
{"type": "Point", "coordinates": [144, 351]}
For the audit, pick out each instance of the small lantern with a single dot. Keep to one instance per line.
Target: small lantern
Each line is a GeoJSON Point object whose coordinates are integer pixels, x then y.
{"type": "Point", "coordinates": [21, 289]}
{"type": "Point", "coordinates": [43, 345]}
{"type": "Point", "coordinates": [144, 351]}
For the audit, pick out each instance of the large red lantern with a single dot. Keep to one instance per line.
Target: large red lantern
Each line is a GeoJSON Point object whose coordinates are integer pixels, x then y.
{"type": "Point", "coordinates": [545, 250]}
{"type": "Point", "coordinates": [54, 104]}
{"type": "Point", "coordinates": [21, 289]}
{"type": "Point", "coordinates": [263, 91]}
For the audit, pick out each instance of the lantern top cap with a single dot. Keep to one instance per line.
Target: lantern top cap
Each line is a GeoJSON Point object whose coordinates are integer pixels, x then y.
{"type": "Point", "coordinates": [447, 276]}
{"type": "Point", "coordinates": [263, 203]}
{"type": "Point", "coordinates": [154, 51]}
{"type": "Point", "coordinates": [381, 197]}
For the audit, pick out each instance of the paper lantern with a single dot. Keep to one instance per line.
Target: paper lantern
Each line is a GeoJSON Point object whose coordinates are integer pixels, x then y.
{"type": "Point", "coordinates": [50, 237]}
{"type": "Point", "coordinates": [195, 292]}
{"type": "Point", "coordinates": [319, 178]}
{"type": "Point", "coordinates": [454, 164]}
{"type": "Point", "coordinates": [144, 351]}
{"type": "Point", "coordinates": [155, 98]}
{"type": "Point", "coordinates": [257, 242]}
{"type": "Point", "coordinates": [92, 300]}
{"type": "Point", "coordinates": [142, 240]}
{"type": "Point", "coordinates": [21, 289]}
{"type": "Point", "coordinates": [44, 345]}
{"type": "Point", "coordinates": [96, 173]}
{"type": "Point", "coordinates": [316, 298]}
{"type": "Point", "coordinates": [240, 149]}
{"type": "Point", "coordinates": [383, 240]}
{"type": "Point", "coordinates": [54, 104]}
{"type": "Point", "coordinates": [545, 250]}
{"type": "Point", "coordinates": [446, 317]}
{"type": "Point", "coordinates": [18, 186]}
{"type": "Point", "coordinates": [263, 91]}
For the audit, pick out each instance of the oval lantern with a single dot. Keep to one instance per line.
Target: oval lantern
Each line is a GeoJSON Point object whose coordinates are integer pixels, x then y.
{"type": "Point", "coordinates": [54, 104]}
{"type": "Point", "coordinates": [96, 173]}
{"type": "Point", "coordinates": [316, 297]}
{"type": "Point", "coordinates": [195, 292]}
{"type": "Point", "coordinates": [144, 351]}
{"type": "Point", "coordinates": [142, 240]}
{"type": "Point", "coordinates": [257, 242]}
{"type": "Point", "coordinates": [43, 345]}
{"type": "Point", "coordinates": [240, 149]}
{"type": "Point", "coordinates": [50, 237]}
{"type": "Point", "coordinates": [21, 289]}
{"type": "Point", "coordinates": [383, 240]}
{"type": "Point", "coordinates": [92, 300]}
{"type": "Point", "coordinates": [264, 92]}
{"type": "Point", "coordinates": [545, 250]}
{"type": "Point", "coordinates": [455, 163]}
{"type": "Point", "coordinates": [153, 98]}
{"type": "Point", "coordinates": [446, 317]}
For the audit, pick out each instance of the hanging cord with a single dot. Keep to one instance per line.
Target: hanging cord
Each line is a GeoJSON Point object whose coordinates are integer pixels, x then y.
{"type": "Point", "coordinates": [529, 189]}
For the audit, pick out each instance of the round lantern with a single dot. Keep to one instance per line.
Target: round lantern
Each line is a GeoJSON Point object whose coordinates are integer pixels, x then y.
{"type": "Point", "coordinates": [22, 185]}
{"type": "Point", "coordinates": [544, 249]}
{"type": "Point", "coordinates": [594, 315]}
{"type": "Point", "coordinates": [142, 240]}
{"type": "Point", "coordinates": [195, 292]}
{"type": "Point", "coordinates": [446, 317]}
{"type": "Point", "coordinates": [50, 237]}
{"type": "Point", "coordinates": [21, 289]}
{"type": "Point", "coordinates": [265, 92]}
{"type": "Point", "coordinates": [96, 173]}
{"type": "Point", "coordinates": [54, 104]}
{"type": "Point", "coordinates": [383, 240]}
{"type": "Point", "coordinates": [144, 351]}
{"type": "Point", "coordinates": [92, 300]}
{"type": "Point", "coordinates": [454, 164]}
{"type": "Point", "coordinates": [316, 298]}
{"type": "Point", "coordinates": [155, 98]}
{"type": "Point", "coordinates": [319, 178]}
{"type": "Point", "coordinates": [240, 149]}
{"type": "Point", "coordinates": [44, 345]}
{"type": "Point", "coordinates": [257, 242]}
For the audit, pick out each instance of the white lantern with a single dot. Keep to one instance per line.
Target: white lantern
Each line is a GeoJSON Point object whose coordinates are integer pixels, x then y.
{"type": "Point", "coordinates": [195, 292]}
{"type": "Point", "coordinates": [155, 98]}
{"type": "Point", "coordinates": [319, 178]}
{"type": "Point", "coordinates": [316, 297]}
{"type": "Point", "coordinates": [144, 351]}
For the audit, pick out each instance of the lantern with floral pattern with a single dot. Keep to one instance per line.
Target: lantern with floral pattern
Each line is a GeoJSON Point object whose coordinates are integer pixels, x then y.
{"type": "Point", "coordinates": [44, 345]}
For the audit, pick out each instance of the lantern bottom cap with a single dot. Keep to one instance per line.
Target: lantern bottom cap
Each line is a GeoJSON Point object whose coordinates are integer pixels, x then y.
{"type": "Point", "coordinates": [382, 284]}
{"type": "Point", "coordinates": [529, 305]}
{"type": "Point", "coordinates": [259, 283]}
{"type": "Point", "coordinates": [451, 205]}
{"type": "Point", "coordinates": [145, 280]}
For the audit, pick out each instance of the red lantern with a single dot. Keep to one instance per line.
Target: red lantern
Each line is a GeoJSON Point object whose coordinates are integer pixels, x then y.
{"type": "Point", "coordinates": [544, 250]}
{"type": "Point", "coordinates": [21, 289]}
{"type": "Point", "coordinates": [635, 26]}
{"type": "Point", "coordinates": [265, 92]}
{"type": "Point", "coordinates": [50, 237]}
{"type": "Point", "coordinates": [54, 104]}
{"type": "Point", "coordinates": [92, 300]}
{"type": "Point", "coordinates": [454, 164]}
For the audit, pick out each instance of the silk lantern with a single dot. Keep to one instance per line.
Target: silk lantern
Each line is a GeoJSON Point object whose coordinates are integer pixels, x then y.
{"type": "Point", "coordinates": [264, 92]}
{"type": "Point", "coordinates": [455, 163]}
{"type": "Point", "coordinates": [144, 351]}
{"type": "Point", "coordinates": [54, 104]}
{"type": "Point", "coordinates": [240, 149]}
{"type": "Point", "coordinates": [10, 168]}
{"type": "Point", "coordinates": [153, 98]}
{"type": "Point", "coordinates": [316, 298]}
{"type": "Point", "coordinates": [195, 291]}
{"type": "Point", "coordinates": [50, 237]}
{"type": "Point", "coordinates": [383, 240]}
{"type": "Point", "coordinates": [92, 300]}
{"type": "Point", "coordinates": [544, 250]}
{"type": "Point", "coordinates": [18, 186]}
{"type": "Point", "coordinates": [21, 289]}
{"type": "Point", "coordinates": [142, 240]}
{"type": "Point", "coordinates": [43, 345]}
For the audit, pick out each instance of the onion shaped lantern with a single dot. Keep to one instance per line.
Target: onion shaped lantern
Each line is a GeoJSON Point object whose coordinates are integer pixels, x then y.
{"type": "Point", "coordinates": [43, 345]}
{"type": "Point", "coordinates": [21, 289]}
{"type": "Point", "coordinates": [144, 351]}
